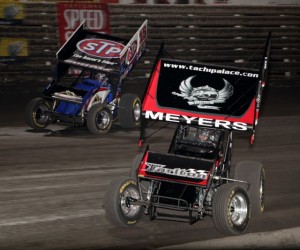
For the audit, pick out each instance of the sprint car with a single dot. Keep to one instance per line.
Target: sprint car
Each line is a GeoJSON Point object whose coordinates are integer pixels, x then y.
{"type": "Point", "coordinates": [193, 179]}
{"type": "Point", "coordinates": [86, 90]}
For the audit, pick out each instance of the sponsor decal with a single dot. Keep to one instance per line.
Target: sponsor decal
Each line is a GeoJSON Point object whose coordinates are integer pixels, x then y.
{"type": "Point", "coordinates": [180, 90]}
{"type": "Point", "coordinates": [132, 51]}
{"type": "Point", "coordinates": [208, 122]}
{"type": "Point", "coordinates": [136, 44]}
{"type": "Point", "coordinates": [181, 172]}
{"type": "Point", "coordinates": [210, 70]}
{"type": "Point", "coordinates": [204, 96]}
{"type": "Point", "coordinates": [100, 48]}
{"type": "Point", "coordinates": [127, 183]}
{"type": "Point", "coordinates": [88, 65]}
{"type": "Point", "coordinates": [71, 15]}
{"type": "Point", "coordinates": [105, 52]}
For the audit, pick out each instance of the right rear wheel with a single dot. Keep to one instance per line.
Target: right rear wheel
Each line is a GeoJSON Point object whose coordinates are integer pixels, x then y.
{"type": "Point", "coordinates": [253, 172]}
{"type": "Point", "coordinates": [130, 111]}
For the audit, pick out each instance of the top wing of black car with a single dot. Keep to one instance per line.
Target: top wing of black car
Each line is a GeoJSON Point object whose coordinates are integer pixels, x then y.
{"type": "Point", "coordinates": [208, 95]}
{"type": "Point", "coordinates": [107, 53]}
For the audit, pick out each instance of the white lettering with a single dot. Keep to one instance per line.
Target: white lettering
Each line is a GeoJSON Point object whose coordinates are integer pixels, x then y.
{"type": "Point", "coordinates": [71, 17]}
{"type": "Point", "coordinates": [188, 173]}
{"type": "Point", "coordinates": [90, 46]}
{"type": "Point", "coordinates": [208, 122]}
{"type": "Point", "coordinates": [172, 118]}
{"type": "Point", "coordinates": [189, 119]}
{"type": "Point", "coordinates": [157, 116]}
{"type": "Point", "coordinates": [224, 124]}
{"type": "Point", "coordinates": [105, 45]}
{"type": "Point", "coordinates": [210, 70]}
{"type": "Point", "coordinates": [95, 19]}
{"type": "Point", "coordinates": [205, 122]}
{"type": "Point", "coordinates": [239, 126]}
{"type": "Point", "coordinates": [113, 50]}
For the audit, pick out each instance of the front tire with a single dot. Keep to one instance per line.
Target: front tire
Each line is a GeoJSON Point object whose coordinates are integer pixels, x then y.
{"type": "Point", "coordinates": [231, 209]}
{"type": "Point", "coordinates": [36, 113]}
{"type": "Point", "coordinates": [99, 119]}
{"type": "Point", "coordinates": [118, 210]}
{"type": "Point", "coordinates": [130, 111]}
{"type": "Point", "coordinates": [253, 172]}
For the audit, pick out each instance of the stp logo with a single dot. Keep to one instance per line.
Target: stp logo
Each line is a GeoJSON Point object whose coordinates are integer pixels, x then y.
{"type": "Point", "coordinates": [100, 48]}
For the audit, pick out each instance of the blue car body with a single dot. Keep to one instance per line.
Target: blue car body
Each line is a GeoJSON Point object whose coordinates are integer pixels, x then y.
{"type": "Point", "coordinates": [86, 87]}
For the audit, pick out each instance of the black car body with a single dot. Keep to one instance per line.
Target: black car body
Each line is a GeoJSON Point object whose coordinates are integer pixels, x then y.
{"type": "Point", "coordinates": [193, 180]}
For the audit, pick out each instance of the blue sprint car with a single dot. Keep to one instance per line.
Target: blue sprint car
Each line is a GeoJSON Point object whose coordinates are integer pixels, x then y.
{"type": "Point", "coordinates": [86, 90]}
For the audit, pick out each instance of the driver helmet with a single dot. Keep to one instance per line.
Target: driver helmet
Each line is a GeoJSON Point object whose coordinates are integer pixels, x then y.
{"type": "Point", "coordinates": [101, 77]}
{"type": "Point", "coordinates": [203, 135]}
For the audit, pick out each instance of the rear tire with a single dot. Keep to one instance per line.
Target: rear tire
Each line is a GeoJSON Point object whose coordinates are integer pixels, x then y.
{"type": "Point", "coordinates": [130, 111]}
{"type": "Point", "coordinates": [135, 165]}
{"type": "Point", "coordinates": [99, 119]}
{"type": "Point", "coordinates": [35, 113]}
{"type": "Point", "coordinates": [231, 209]}
{"type": "Point", "coordinates": [118, 210]}
{"type": "Point", "coordinates": [253, 172]}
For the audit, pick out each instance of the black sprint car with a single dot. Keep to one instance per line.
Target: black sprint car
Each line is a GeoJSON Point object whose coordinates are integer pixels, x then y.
{"type": "Point", "coordinates": [193, 180]}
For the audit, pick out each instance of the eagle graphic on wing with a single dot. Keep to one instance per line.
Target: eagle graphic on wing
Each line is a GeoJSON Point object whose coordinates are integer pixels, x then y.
{"type": "Point", "coordinates": [204, 97]}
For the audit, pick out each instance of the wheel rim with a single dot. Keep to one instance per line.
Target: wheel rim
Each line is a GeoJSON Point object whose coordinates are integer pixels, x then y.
{"type": "Point", "coordinates": [127, 209]}
{"type": "Point", "coordinates": [40, 114]}
{"type": "Point", "coordinates": [103, 119]}
{"type": "Point", "coordinates": [137, 111]}
{"type": "Point", "coordinates": [238, 209]}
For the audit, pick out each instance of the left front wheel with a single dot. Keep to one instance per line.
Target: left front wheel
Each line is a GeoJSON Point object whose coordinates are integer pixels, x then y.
{"type": "Point", "coordinates": [36, 113]}
{"type": "Point", "coordinates": [231, 209]}
{"type": "Point", "coordinates": [117, 202]}
{"type": "Point", "coordinates": [99, 119]}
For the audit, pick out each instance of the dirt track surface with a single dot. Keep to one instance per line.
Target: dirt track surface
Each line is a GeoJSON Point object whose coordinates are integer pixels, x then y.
{"type": "Point", "coordinates": [279, 239]}
{"type": "Point", "coordinates": [52, 186]}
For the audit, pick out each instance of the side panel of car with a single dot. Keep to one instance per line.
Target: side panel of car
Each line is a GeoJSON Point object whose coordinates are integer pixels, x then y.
{"type": "Point", "coordinates": [103, 95]}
